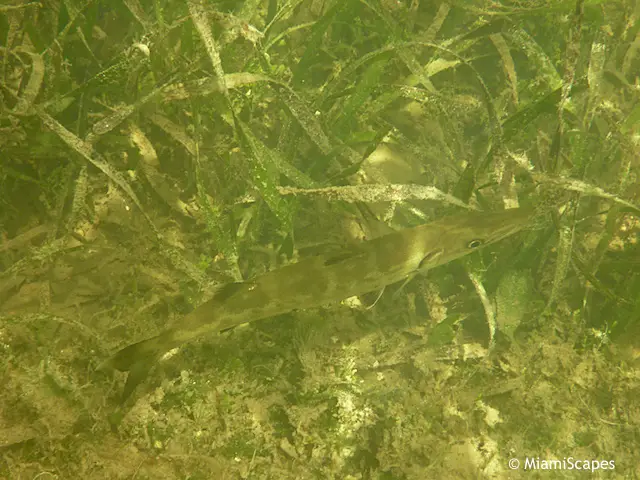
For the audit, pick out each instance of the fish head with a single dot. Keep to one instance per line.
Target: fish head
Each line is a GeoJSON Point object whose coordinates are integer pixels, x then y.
{"type": "Point", "coordinates": [456, 236]}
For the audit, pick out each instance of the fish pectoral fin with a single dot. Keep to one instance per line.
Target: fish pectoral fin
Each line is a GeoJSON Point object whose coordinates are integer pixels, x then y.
{"type": "Point", "coordinates": [429, 260]}
{"type": "Point", "coordinates": [369, 307]}
{"type": "Point", "coordinates": [427, 263]}
{"type": "Point", "coordinates": [404, 283]}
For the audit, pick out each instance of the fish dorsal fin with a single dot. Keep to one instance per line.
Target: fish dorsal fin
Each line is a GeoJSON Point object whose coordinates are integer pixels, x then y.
{"type": "Point", "coordinates": [343, 256]}
{"type": "Point", "coordinates": [226, 291]}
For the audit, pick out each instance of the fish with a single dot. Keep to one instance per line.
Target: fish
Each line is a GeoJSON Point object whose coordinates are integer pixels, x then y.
{"type": "Point", "coordinates": [325, 279]}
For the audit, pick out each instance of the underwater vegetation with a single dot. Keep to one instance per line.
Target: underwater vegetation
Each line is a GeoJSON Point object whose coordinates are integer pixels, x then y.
{"type": "Point", "coordinates": [361, 239]}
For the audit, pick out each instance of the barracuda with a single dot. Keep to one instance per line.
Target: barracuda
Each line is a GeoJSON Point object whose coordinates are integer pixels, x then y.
{"type": "Point", "coordinates": [326, 279]}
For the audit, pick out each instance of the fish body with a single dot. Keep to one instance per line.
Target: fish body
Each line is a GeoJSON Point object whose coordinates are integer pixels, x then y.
{"type": "Point", "coordinates": [324, 279]}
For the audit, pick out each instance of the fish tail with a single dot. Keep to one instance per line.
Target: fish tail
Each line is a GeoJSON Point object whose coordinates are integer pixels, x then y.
{"type": "Point", "coordinates": [137, 359]}
{"type": "Point", "coordinates": [124, 359]}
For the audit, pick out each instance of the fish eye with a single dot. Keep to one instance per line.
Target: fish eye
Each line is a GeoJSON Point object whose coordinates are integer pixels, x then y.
{"type": "Point", "coordinates": [474, 243]}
